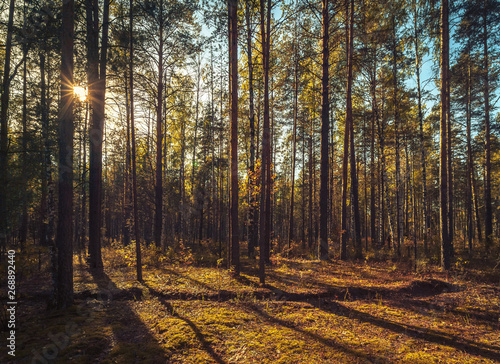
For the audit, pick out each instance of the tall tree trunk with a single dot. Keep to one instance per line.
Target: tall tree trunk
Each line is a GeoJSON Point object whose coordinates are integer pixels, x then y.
{"type": "Point", "coordinates": [97, 91]}
{"type": "Point", "coordinates": [23, 230]}
{"type": "Point", "coordinates": [233, 87]}
{"type": "Point", "coordinates": [421, 130]}
{"type": "Point", "coordinates": [358, 254]}
{"type": "Point", "coordinates": [84, 222]}
{"type": "Point", "coordinates": [475, 197]}
{"type": "Point", "coordinates": [126, 174]}
{"type": "Point", "coordinates": [310, 231]}
{"type": "Point", "coordinates": [451, 222]}
{"type": "Point", "coordinates": [253, 231]}
{"type": "Point", "coordinates": [193, 165]}
{"type": "Point", "coordinates": [4, 132]}
{"type": "Point", "coordinates": [381, 147]}
{"type": "Point", "coordinates": [159, 138]}
{"type": "Point", "coordinates": [325, 128]}
{"type": "Point", "coordinates": [488, 219]}
{"type": "Point", "coordinates": [291, 224]}
{"type": "Point", "coordinates": [373, 191]}
{"type": "Point", "coordinates": [468, 112]}
{"type": "Point", "coordinates": [266, 146]}
{"type": "Point", "coordinates": [345, 160]}
{"type": "Point", "coordinates": [45, 237]}
{"type": "Point", "coordinates": [443, 174]}
{"type": "Point", "coordinates": [399, 195]}
{"type": "Point", "coordinates": [132, 129]}
{"type": "Point", "coordinates": [65, 208]}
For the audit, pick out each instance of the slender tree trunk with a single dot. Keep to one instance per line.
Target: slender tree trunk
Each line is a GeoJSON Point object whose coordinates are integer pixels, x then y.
{"type": "Point", "coordinates": [253, 231]}
{"type": "Point", "coordinates": [266, 146]}
{"type": "Point", "coordinates": [126, 174]}
{"type": "Point", "coordinates": [65, 209]}
{"type": "Point", "coordinates": [421, 131]}
{"type": "Point", "coordinates": [291, 223]}
{"type": "Point", "coordinates": [488, 219]}
{"type": "Point", "coordinates": [475, 197]}
{"type": "Point", "coordinates": [399, 233]}
{"type": "Point", "coordinates": [97, 76]}
{"type": "Point", "coordinates": [159, 138]}
{"type": "Point", "coordinates": [381, 146]}
{"type": "Point", "coordinates": [468, 112]}
{"type": "Point", "coordinates": [303, 235]}
{"type": "Point", "coordinates": [233, 87]}
{"type": "Point", "coordinates": [373, 191]}
{"type": "Point", "coordinates": [132, 129]}
{"type": "Point", "coordinates": [4, 132]}
{"type": "Point", "coordinates": [325, 129]}
{"type": "Point", "coordinates": [451, 222]}
{"type": "Point", "coordinates": [344, 234]}
{"type": "Point", "coordinates": [310, 231]}
{"type": "Point", "coordinates": [23, 230]}
{"type": "Point", "coordinates": [45, 237]}
{"type": "Point", "coordinates": [358, 254]}
{"type": "Point", "coordinates": [443, 173]}
{"type": "Point", "coordinates": [197, 108]}
{"type": "Point", "coordinates": [83, 237]}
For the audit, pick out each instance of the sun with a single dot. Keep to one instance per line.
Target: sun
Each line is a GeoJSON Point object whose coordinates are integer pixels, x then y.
{"type": "Point", "coordinates": [80, 93]}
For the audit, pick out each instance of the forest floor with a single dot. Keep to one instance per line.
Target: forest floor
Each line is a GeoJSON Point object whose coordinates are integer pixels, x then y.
{"type": "Point", "coordinates": [308, 312]}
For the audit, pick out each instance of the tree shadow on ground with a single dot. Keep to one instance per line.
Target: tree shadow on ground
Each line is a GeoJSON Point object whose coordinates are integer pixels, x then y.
{"type": "Point", "coordinates": [324, 341]}
{"type": "Point", "coordinates": [199, 335]}
{"type": "Point", "coordinates": [355, 293]}
{"type": "Point", "coordinates": [438, 337]}
{"type": "Point", "coordinates": [131, 336]}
